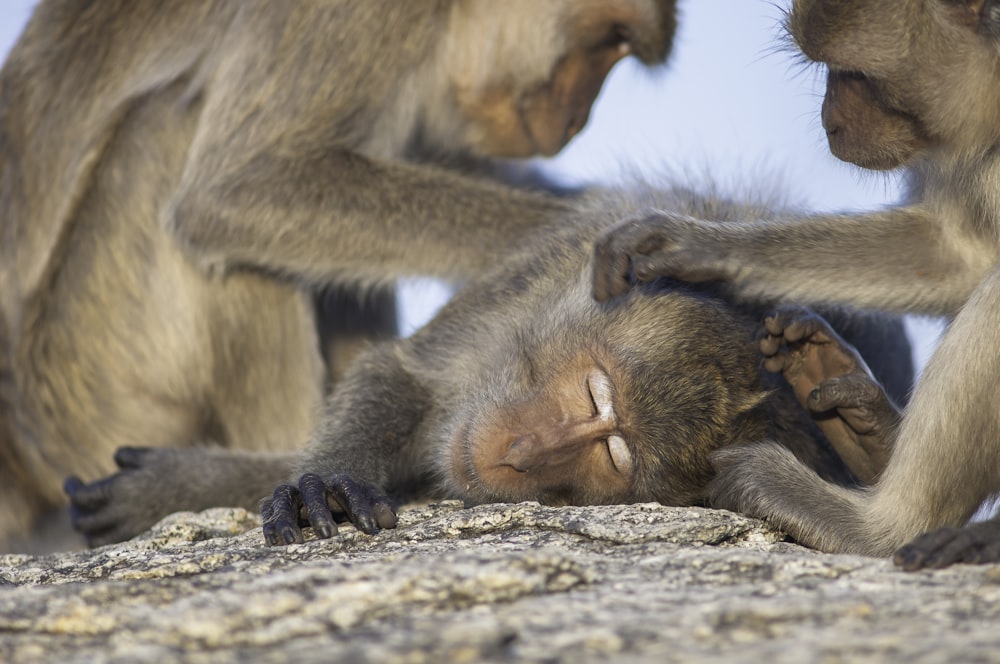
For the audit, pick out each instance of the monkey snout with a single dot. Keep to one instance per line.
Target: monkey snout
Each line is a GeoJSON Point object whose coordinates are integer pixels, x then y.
{"type": "Point", "coordinates": [522, 455]}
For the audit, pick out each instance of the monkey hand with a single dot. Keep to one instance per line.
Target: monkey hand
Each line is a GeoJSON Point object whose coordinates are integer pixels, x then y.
{"type": "Point", "coordinates": [123, 505]}
{"type": "Point", "coordinates": [975, 543]}
{"type": "Point", "coordinates": [657, 244]}
{"type": "Point", "coordinates": [318, 500]}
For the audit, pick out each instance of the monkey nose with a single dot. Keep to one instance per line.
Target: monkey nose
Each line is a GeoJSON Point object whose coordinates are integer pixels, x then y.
{"type": "Point", "coordinates": [521, 454]}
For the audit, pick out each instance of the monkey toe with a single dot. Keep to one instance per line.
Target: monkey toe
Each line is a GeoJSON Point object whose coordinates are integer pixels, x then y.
{"type": "Point", "coordinates": [793, 323]}
{"type": "Point", "coordinates": [777, 362]}
{"type": "Point", "coordinates": [854, 390]}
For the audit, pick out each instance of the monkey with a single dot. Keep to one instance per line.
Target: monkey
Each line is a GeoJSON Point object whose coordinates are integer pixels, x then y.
{"type": "Point", "coordinates": [181, 183]}
{"type": "Point", "coordinates": [520, 388]}
{"type": "Point", "coordinates": [911, 85]}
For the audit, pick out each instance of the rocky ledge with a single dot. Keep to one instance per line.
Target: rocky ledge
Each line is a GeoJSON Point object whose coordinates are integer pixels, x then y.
{"type": "Point", "coordinates": [494, 583]}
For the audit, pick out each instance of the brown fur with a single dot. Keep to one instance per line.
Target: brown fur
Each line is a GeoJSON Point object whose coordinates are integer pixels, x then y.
{"type": "Point", "coordinates": [177, 179]}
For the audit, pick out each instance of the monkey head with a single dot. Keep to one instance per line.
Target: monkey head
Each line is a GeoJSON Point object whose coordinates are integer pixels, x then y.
{"type": "Point", "coordinates": [621, 407]}
{"type": "Point", "coordinates": [525, 86]}
{"type": "Point", "coordinates": [904, 78]}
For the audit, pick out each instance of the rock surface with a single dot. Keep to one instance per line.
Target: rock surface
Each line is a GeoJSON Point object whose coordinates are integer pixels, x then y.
{"type": "Point", "coordinates": [639, 583]}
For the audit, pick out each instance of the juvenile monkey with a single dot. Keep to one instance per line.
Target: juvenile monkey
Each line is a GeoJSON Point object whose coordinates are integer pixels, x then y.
{"type": "Point", "coordinates": [178, 179]}
{"type": "Point", "coordinates": [521, 388]}
{"type": "Point", "coordinates": [914, 84]}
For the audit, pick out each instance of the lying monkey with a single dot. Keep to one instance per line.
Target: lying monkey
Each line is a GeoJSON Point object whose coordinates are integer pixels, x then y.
{"type": "Point", "coordinates": [521, 388]}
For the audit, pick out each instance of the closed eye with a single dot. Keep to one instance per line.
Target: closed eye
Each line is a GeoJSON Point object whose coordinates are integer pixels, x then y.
{"type": "Point", "coordinates": [621, 455]}
{"type": "Point", "coordinates": [601, 394]}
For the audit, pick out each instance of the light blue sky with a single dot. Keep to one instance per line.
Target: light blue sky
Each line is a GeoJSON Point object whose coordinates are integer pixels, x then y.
{"type": "Point", "coordinates": [731, 104]}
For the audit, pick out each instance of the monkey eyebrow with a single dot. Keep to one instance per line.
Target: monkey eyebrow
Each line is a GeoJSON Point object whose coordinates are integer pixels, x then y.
{"type": "Point", "coordinates": [602, 394]}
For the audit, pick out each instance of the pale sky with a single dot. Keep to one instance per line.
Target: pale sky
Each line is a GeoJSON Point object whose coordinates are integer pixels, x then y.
{"type": "Point", "coordinates": [732, 105]}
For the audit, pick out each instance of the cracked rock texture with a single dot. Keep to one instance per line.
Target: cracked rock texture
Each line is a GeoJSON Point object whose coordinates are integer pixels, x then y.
{"type": "Point", "coordinates": [496, 583]}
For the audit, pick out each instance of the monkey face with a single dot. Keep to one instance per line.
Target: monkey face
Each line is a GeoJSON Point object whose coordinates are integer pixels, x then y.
{"type": "Point", "coordinates": [526, 88]}
{"type": "Point", "coordinates": [865, 130]}
{"type": "Point", "coordinates": [623, 405]}
{"type": "Point", "coordinates": [905, 77]}
{"type": "Point", "coordinates": [510, 122]}
{"type": "Point", "coordinates": [565, 443]}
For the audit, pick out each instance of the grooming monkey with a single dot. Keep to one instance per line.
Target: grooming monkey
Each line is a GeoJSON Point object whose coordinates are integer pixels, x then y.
{"type": "Point", "coordinates": [521, 388]}
{"type": "Point", "coordinates": [914, 84]}
{"type": "Point", "coordinates": [178, 179]}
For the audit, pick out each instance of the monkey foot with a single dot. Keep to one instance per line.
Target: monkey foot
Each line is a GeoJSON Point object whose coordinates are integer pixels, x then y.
{"type": "Point", "coordinates": [833, 383]}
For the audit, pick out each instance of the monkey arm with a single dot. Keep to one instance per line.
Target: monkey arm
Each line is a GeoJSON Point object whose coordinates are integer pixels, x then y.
{"type": "Point", "coordinates": [153, 482]}
{"type": "Point", "coordinates": [299, 163]}
{"type": "Point", "coordinates": [364, 445]}
{"type": "Point", "coordinates": [340, 215]}
{"type": "Point", "coordinates": [902, 259]}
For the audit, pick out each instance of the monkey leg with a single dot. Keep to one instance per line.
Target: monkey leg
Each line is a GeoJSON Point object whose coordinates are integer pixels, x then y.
{"type": "Point", "coordinates": [317, 500]}
{"type": "Point", "coordinates": [833, 383]}
{"type": "Point", "coordinates": [975, 543]}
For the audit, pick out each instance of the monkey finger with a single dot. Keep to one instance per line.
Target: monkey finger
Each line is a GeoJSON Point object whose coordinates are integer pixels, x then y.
{"type": "Point", "coordinates": [617, 251]}
{"type": "Point", "coordinates": [266, 509]}
{"type": "Point", "coordinates": [314, 498]}
{"type": "Point", "coordinates": [99, 536]}
{"type": "Point", "coordinates": [132, 457]}
{"type": "Point", "coordinates": [106, 525]}
{"type": "Point", "coordinates": [923, 552]}
{"type": "Point", "coordinates": [385, 515]}
{"type": "Point", "coordinates": [611, 274]}
{"type": "Point", "coordinates": [359, 501]}
{"type": "Point", "coordinates": [283, 525]}
{"type": "Point", "coordinates": [87, 496]}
